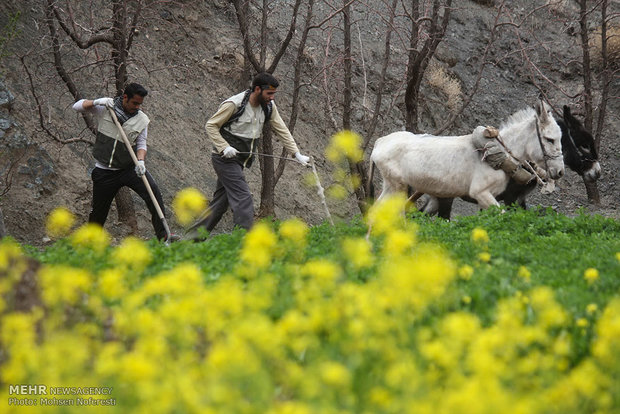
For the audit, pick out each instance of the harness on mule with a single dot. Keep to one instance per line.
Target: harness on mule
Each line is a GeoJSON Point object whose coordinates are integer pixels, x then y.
{"type": "Point", "coordinates": [498, 156]}
{"type": "Point", "coordinates": [267, 109]}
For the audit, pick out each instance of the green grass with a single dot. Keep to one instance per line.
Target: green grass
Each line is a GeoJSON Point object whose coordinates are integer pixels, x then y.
{"type": "Point", "coordinates": [556, 249]}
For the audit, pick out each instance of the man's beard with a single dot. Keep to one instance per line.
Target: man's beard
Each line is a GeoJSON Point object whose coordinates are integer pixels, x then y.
{"type": "Point", "coordinates": [262, 100]}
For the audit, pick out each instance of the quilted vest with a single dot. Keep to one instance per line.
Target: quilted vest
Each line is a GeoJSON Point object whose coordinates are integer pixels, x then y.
{"type": "Point", "coordinates": [109, 149]}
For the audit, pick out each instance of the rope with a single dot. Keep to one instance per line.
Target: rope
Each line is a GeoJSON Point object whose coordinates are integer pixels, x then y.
{"type": "Point", "coordinates": [269, 155]}
{"type": "Point", "coordinates": [526, 164]}
{"type": "Point", "coordinates": [320, 190]}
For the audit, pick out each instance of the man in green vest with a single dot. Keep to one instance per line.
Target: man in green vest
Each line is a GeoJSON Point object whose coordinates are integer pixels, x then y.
{"type": "Point", "coordinates": [234, 131]}
{"type": "Point", "coordinates": [114, 167]}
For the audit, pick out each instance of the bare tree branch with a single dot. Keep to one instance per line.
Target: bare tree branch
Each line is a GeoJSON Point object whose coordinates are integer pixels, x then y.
{"type": "Point", "coordinates": [82, 44]}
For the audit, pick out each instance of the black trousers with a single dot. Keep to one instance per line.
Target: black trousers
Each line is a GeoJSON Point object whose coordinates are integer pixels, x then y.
{"type": "Point", "coordinates": [106, 184]}
{"type": "Point", "coordinates": [231, 190]}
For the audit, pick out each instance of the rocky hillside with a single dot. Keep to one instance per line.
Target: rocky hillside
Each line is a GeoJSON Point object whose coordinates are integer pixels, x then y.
{"type": "Point", "coordinates": [189, 55]}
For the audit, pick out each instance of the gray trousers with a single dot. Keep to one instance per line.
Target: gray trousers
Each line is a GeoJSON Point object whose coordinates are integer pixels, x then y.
{"type": "Point", "coordinates": [231, 190]}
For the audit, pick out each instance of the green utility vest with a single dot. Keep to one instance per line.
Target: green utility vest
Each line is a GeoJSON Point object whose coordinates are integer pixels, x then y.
{"type": "Point", "coordinates": [247, 146]}
{"type": "Point", "coordinates": [109, 149]}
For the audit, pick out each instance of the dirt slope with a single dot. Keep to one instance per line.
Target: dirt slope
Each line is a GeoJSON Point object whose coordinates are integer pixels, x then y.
{"type": "Point", "coordinates": [190, 58]}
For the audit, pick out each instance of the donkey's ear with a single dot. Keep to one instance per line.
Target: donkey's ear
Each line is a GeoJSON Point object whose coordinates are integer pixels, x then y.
{"type": "Point", "coordinates": [568, 117]}
{"type": "Point", "coordinates": [542, 111]}
{"type": "Point", "coordinates": [566, 112]}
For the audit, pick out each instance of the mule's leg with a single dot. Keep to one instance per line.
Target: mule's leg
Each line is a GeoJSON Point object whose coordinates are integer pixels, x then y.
{"type": "Point", "coordinates": [390, 188]}
{"type": "Point", "coordinates": [485, 199]}
{"type": "Point", "coordinates": [516, 193]}
{"type": "Point", "coordinates": [429, 205]}
{"type": "Point", "coordinates": [444, 209]}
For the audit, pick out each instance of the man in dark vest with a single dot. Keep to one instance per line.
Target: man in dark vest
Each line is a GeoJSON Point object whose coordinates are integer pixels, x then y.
{"type": "Point", "coordinates": [114, 167]}
{"type": "Point", "coordinates": [234, 131]}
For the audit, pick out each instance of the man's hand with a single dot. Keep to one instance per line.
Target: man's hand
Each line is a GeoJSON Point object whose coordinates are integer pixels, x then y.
{"type": "Point", "coordinates": [303, 160]}
{"type": "Point", "coordinates": [140, 168]}
{"type": "Point", "coordinates": [229, 152]}
{"type": "Point", "coordinates": [107, 102]}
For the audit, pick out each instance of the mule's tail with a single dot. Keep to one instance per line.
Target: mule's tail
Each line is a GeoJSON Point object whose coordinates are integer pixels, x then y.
{"type": "Point", "coordinates": [370, 187]}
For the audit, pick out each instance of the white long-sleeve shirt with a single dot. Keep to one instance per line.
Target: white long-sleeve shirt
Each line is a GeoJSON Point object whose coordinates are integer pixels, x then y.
{"type": "Point", "coordinates": [97, 111]}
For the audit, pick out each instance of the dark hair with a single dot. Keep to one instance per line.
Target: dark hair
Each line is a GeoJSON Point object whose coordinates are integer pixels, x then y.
{"type": "Point", "coordinates": [265, 80]}
{"type": "Point", "coordinates": [135, 89]}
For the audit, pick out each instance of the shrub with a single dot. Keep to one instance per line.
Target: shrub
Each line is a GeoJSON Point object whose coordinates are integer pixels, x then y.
{"type": "Point", "coordinates": [613, 47]}
{"type": "Point", "coordinates": [447, 84]}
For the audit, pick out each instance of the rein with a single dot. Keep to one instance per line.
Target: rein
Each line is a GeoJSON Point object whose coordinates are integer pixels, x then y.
{"type": "Point", "coordinates": [542, 147]}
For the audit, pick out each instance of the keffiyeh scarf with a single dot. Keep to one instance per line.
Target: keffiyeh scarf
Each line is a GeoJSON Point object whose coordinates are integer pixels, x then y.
{"type": "Point", "coordinates": [120, 113]}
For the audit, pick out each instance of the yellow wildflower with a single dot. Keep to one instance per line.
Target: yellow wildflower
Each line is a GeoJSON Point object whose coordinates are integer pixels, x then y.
{"type": "Point", "coordinates": [59, 222]}
{"type": "Point", "coordinates": [397, 242]}
{"type": "Point", "coordinates": [479, 235]}
{"type": "Point", "coordinates": [335, 374]}
{"type": "Point", "coordinates": [323, 270]}
{"type": "Point", "coordinates": [111, 283]}
{"type": "Point", "coordinates": [344, 145]}
{"type": "Point", "coordinates": [358, 252]}
{"type": "Point", "coordinates": [137, 367]}
{"type": "Point", "coordinates": [592, 308]}
{"type": "Point", "coordinates": [582, 322]}
{"type": "Point", "coordinates": [380, 397]}
{"type": "Point", "coordinates": [591, 275]}
{"type": "Point", "coordinates": [290, 407]}
{"type": "Point", "coordinates": [258, 245]}
{"type": "Point", "coordinates": [132, 252]}
{"type": "Point", "coordinates": [355, 181]}
{"type": "Point", "coordinates": [91, 236]}
{"type": "Point", "coordinates": [549, 312]}
{"type": "Point", "coordinates": [188, 204]}
{"type": "Point", "coordinates": [484, 257]}
{"type": "Point", "coordinates": [62, 284]}
{"type": "Point", "coordinates": [618, 256]}
{"type": "Point", "coordinates": [466, 299]}
{"type": "Point", "coordinates": [605, 347]}
{"type": "Point", "coordinates": [337, 192]}
{"type": "Point", "coordinates": [466, 272]}
{"type": "Point", "coordinates": [295, 230]}
{"type": "Point", "coordinates": [310, 180]}
{"type": "Point", "coordinates": [524, 273]}
{"type": "Point", "coordinates": [387, 214]}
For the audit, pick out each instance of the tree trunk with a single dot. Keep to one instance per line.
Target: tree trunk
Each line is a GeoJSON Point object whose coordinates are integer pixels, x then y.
{"type": "Point", "coordinates": [119, 51]}
{"type": "Point", "coordinates": [356, 169]}
{"type": "Point", "coordinates": [126, 209]}
{"type": "Point", "coordinates": [347, 93]}
{"type": "Point", "coordinates": [2, 227]}
{"type": "Point", "coordinates": [592, 191]}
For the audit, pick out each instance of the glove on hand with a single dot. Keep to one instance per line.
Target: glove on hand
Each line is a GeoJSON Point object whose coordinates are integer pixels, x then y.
{"type": "Point", "coordinates": [303, 160]}
{"type": "Point", "coordinates": [229, 152]}
{"type": "Point", "coordinates": [140, 168]}
{"type": "Point", "coordinates": [108, 102]}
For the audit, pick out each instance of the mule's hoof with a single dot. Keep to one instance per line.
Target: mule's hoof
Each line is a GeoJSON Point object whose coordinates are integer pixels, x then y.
{"type": "Point", "coordinates": [491, 132]}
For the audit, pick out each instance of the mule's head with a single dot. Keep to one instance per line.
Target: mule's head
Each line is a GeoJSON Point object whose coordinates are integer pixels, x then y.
{"type": "Point", "coordinates": [548, 149]}
{"type": "Point", "coordinates": [578, 147]}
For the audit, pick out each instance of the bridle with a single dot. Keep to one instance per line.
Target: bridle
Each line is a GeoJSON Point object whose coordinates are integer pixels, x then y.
{"type": "Point", "coordinates": [546, 156]}
{"type": "Point", "coordinates": [584, 158]}
{"type": "Point", "coordinates": [526, 164]}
